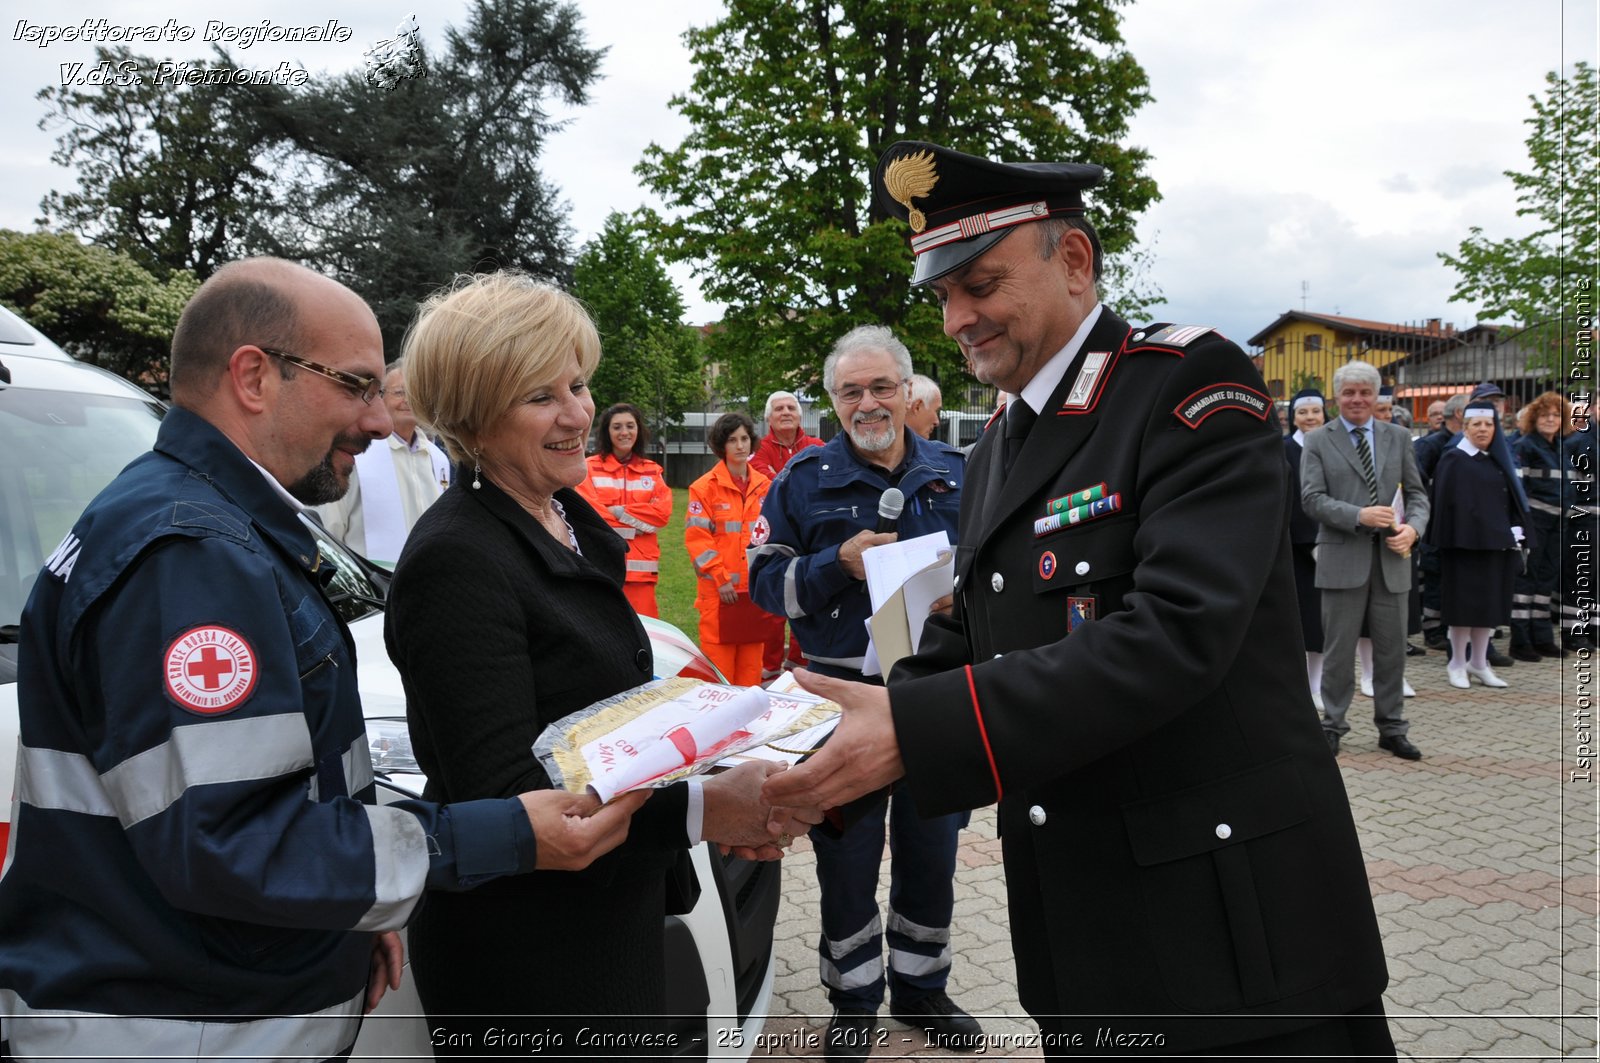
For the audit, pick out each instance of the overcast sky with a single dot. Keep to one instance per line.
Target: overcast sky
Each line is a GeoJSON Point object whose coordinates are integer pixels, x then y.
{"type": "Point", "coordinates": [1336, 144]}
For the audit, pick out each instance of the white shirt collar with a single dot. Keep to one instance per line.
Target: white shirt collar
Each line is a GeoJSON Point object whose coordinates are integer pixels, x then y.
{"type": "Point", "coordinates": [1365, 428]}
{"type": "Point", "coordinates": [1036, 392]}
{"type": "Point", "coordinates": [1300, 436]}
{"type": "Point", "coordinates": [282, 492]}
{"type": "Point", "coordinates": [1471, 450]}
{"type": "Point", "coordinates": [419, 442]}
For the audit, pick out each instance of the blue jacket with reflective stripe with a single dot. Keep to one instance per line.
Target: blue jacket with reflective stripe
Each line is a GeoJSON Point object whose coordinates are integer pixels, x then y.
{"type": "Point", "coordinates": [821, 498]}
{"type": "Point", "coordinates": [195, 833]}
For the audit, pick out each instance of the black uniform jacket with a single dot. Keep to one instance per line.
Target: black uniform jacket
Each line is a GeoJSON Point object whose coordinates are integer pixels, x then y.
{"type": "Point", "coordinates": [1177, 839]}
{"type": "Point", "coordinates": [1302, 525]}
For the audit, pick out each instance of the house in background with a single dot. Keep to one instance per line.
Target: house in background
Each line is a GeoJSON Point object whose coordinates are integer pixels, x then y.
{"type": "Point", "coordinates": [1302, 349]}
{"type": "Point", "coordinates": [1425, 362]}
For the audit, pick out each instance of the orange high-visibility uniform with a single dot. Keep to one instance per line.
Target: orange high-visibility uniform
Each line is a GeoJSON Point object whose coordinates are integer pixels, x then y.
{"type": "Point", "coordinates": [635, 500]}
{"type": "Point", "coordinates": [716, 533]}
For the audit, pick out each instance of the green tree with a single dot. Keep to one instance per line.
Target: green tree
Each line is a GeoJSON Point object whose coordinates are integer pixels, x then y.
{"type": "Point", "coordinates": [395, 190]}
{"type": "Point", "coordinates": [793, 101]}
{"type": "Point", "coordinates": [171, 175]}
{"type": "Point", "coordinates": [1533, 279]}
{"type": "Point", "coordinates": [101, 305]}
{"type": "Point", "coordinates": [650, 359]}
{"type": "Point", "coordinates": [1304, 378]}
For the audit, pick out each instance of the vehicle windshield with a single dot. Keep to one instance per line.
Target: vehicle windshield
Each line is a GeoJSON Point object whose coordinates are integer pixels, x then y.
{"type": "Point", "coordinates": [59, 450]}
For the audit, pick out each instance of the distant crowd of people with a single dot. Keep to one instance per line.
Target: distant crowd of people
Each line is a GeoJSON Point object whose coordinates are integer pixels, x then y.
{"type": "Point", "coordinates": [1451, 536]}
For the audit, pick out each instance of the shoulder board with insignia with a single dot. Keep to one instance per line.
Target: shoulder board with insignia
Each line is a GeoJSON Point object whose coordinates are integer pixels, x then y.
{"type": "Point", "coordinates": [1161, 335]}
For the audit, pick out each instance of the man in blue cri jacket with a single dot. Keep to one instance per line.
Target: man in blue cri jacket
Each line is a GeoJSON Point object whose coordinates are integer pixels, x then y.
{"type": "Point", "coordinates": [199, 868]}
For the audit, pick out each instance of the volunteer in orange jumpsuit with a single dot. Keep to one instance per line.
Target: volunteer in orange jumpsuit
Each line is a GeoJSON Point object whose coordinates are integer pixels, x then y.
{"type": "Point", "coordinates": [784, 439]}
{"type": "Point", "coordinates": [630, 491]}
{"type": "Point", "coordinates": [724, 505]}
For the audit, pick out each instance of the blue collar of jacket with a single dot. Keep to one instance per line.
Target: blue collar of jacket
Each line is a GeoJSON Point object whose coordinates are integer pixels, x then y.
{"type": "Point", "coordinates": [924, 460]}
{"type": "Point", "coordinates": [188, 438]}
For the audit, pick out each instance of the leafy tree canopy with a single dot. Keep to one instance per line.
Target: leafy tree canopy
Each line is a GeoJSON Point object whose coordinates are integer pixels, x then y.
{"type": "Point", "coordinates": [791, 105]}
{"type": "Point", "coordinates": [649, 358]}
{"type": "Point", "coordinates": [167, 174]}
{"type": "Point", "coordinates": [101, 305]}
{"type": "Point", "coordinates": [1535, 279]}
{"type": "Point", "coordinates": [392, 191]}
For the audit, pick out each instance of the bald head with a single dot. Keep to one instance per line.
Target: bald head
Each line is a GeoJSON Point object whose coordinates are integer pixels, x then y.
{"type": "Point", "coordinates": [254, 301]}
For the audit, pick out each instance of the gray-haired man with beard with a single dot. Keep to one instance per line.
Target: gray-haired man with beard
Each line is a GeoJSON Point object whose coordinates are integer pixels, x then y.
{"type": "Point", "coordinates": [818, 517]}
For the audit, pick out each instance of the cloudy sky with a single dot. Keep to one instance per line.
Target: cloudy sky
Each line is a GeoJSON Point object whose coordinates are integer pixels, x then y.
{"type": "Point", "coordinates": [1332, 144]}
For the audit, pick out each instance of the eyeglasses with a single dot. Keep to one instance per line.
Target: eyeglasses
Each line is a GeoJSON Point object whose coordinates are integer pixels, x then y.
{"type": "Point", "coordinates": [366, 387]}
{"type": "Point", "coordinates": [882, 390]}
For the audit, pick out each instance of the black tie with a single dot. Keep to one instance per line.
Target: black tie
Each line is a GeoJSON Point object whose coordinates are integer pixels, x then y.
{"type": "Point", "coordinates": [1019, 421]}
{"type": "Point", "coordinates": [1364, 452]}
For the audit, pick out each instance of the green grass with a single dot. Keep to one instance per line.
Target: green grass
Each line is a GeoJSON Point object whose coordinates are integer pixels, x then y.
{"type": "Point", "coordinates": [675, 592]}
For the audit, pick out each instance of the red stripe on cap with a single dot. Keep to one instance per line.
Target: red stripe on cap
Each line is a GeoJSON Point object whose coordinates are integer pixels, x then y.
{"type": "Point", "coordinates": [983, 733]}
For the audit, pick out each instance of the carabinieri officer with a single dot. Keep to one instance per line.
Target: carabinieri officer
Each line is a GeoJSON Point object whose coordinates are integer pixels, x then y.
{"type": "Point", "coordinates": [1181, 861]}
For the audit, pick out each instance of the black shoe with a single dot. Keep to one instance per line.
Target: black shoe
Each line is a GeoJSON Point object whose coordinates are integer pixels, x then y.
{"type": "Point", "coordinates": [1498, 659]}
{"type": "Point", "coordinates": [1400, 746]}
{"type": "Point", "coordinates": [1524, 653]}
{"type": "Point", "coordinates": [1333, 742]}
{"type": "Point", "coordinates": [1413, 650]}
{"type": "Point", "coordinates": [1549, 649]}
{"type": "Point", "coordinates": [850, 1035]}
{"type": "Point", "coordinates": [1437, 642]}
{"type": "Point", "coordinates": [946, 1024]}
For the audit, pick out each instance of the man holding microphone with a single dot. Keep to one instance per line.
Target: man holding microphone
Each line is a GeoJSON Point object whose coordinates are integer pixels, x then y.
{"type": "Point", "coordinates": [823, 510]}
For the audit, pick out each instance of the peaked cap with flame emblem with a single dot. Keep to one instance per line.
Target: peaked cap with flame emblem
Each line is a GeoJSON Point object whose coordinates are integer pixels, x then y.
{"type": "Point", "coordinates": [959, 206]}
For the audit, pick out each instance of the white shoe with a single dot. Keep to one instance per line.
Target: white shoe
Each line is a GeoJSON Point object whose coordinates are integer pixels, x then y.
{"type": "Point", "coordinates": [1366, 688]}
{"type": "Point", "coordinates": [1458, 677]}
{"type": "Point", "coordinates": [1486, 676]}
{"type": "Point", "coordinates": [1405, 688]}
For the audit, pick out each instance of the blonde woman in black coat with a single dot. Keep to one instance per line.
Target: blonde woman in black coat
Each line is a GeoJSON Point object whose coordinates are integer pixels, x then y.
{"type": "Point", "coordinates": [506, 614]}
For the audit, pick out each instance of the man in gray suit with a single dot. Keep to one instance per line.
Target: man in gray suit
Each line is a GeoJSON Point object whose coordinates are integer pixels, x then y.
{"type": "Point", "coordinates": [1348, 477]}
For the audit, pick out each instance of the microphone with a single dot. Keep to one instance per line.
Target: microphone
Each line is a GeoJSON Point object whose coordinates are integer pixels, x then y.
{"type": "Point", "coordinates": [889, 507]}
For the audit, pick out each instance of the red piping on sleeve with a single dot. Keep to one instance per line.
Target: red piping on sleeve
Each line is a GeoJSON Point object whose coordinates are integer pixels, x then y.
{"type": "Point", "coordinates": [983, 733]}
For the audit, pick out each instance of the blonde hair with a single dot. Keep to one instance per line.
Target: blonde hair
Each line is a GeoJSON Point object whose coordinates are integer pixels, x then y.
{"type": "Point", "coordinates": [487, 340]}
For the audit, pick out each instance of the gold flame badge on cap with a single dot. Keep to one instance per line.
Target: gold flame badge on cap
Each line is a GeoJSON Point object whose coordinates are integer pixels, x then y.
{"type": "Point", "coordinates": [911, 177]}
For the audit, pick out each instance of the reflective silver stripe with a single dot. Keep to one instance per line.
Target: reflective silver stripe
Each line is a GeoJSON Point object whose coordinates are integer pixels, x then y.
{"type": "Point", "coordinates": [1544, 507]}
{"type": "Point", "coordinates": [644, 566]}
{"type": "Point", "coordinates": [839, 662]}
{"type": "Point", "coordinates": [732, 526]}
{"type": "Point", "coordinates": [706, 558]}
{"type": "Point", "coordinates": [648, 529]}
{"type": "Point", "coordinates": [1540, 474]}
{"type": "Point", "coordinates": [63, 782]}
{"type": "Point", "coordinates": [357, 763]}
{"type": "Point", "coordinates": [700, 522]}
{"type": "Point", "coordinates": [854, 978]}
{"type": "Point", "coordinates": [791, 591]}
{"type": "Point", "coordinates": [915, 964]}
{"type": "Point", "coordinates": [1521, 614]}
{"type": "Point", "coordinates": [933, 935]}
{"type": "Point", "coordinates": [400, 861]}
{"type": "Point", "coordinates": [840, 949]}
{"type": "Point", "coordinates": [639, 485]}
{"type": "Point", "coordinates": [144, 785]}
{"type": "Point", "coordinates": [608, 481]}
{"type": "Point", "coordinates": [37, 1033]}
{"type": "Point", "coordinates": [626, 533]}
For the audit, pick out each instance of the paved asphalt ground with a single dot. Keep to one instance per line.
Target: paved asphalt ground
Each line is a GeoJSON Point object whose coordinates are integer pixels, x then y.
{"type": "Point", "coordinates": [1482, 858]}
